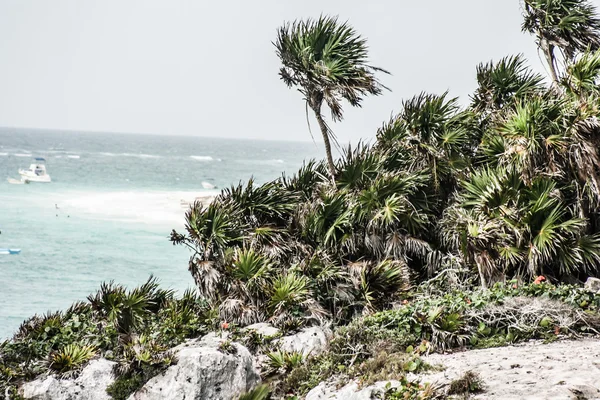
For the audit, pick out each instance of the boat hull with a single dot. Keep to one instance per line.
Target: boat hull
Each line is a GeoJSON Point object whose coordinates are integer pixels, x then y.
{"type": "Point", "coordinates": [26, 175]}
{"type": "Point", "coordinates": [9, 251]}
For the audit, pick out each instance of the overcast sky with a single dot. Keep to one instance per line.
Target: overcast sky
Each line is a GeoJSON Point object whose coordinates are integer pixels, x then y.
{"type": "Point", "coordinates": [208, 68]}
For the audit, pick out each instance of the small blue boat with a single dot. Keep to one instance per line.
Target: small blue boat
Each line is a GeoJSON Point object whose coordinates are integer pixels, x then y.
{"type": "Point", "coordinates": [9, 251]}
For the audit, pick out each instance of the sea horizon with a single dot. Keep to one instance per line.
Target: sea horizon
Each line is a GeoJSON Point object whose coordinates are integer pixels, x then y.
{"type": "Point", "coordinates": [310, 139]}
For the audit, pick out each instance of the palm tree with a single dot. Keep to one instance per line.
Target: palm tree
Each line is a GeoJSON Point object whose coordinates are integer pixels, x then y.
{"type": "Point", "coordinates": [569, 25]}
{"type": "Point", "coordinates": [327, 61]}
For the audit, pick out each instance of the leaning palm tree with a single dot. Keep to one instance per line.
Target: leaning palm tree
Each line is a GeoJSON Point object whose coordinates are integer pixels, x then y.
{"type": "Point", "coordinates": [327, 61]}
{"type": "Point", "coordinates": [571, 26]}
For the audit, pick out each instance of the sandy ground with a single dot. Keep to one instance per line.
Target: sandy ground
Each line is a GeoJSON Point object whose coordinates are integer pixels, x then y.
{"type": "Point", "coordinates": [533, 370]}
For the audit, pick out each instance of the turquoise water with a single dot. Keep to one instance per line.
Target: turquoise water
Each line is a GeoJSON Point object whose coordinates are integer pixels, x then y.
{"type": "Point", "coordinates": [119, 196]}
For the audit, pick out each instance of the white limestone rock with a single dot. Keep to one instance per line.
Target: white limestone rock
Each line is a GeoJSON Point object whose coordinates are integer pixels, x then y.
{"type": "Point", "coordinates": [203, 371]}
{"type": "Point", "coordinates": [593, 285]}
{"type": "Point", "coordinates": [91, 384]}
{"type": "Point", "coordinates": [309, 341]}
{"type": "Point", "coordinates": [264, 329]}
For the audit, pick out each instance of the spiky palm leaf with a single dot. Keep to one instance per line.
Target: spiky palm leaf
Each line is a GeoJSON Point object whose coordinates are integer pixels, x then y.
{"type": "Point", "coordinates": [307, 180]}
{"type": "Point", "coordinates": [582, 75]}
{"type": "Point", "coordinates": [504, 83]}
{"type": "Point", "coordinates": [378, 283]}
{"type": "Point", "coordinates": [70, 358]}
{"type": "Point", "coordinates": [535, 139]}
{"type": "Point", "coordinates": [252, 269]}
{"type": "Point", "coordinates": [215, 227]}
{"type": "Point", "coordinates": [289, 293]}
{"type": "Point", "coordinates": [430, 135]}
{"type": "Point", "coordinates": [261, 392]}
{"type": "Point", "coordinates": [357, 168]}
{"type": "Point", "coordinates": [269, 202]}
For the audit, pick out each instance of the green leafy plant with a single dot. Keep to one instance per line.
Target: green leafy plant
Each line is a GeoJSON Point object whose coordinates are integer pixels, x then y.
{"type": "Point", "coordinates": [260, 392]}
{"type": "Point", "coordinates": [70, 358]}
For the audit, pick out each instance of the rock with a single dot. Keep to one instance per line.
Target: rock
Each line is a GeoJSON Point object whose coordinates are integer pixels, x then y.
{"type": "Point", "coordinates": [91, 384]}
{"type": "Point", "coordinates": [263, 329]}
{"type": "Point", "coordinates": [585, 392]}
{"type": "Point", "coordinates": [313, 341]}
{"type": "Point", "coordinates": [593, 285]}
{"type": "Point", "coordinates": [558, 370]}
{"type": "Point", "coordinates": [212, 339]}
{"type": "Point", "coordinates": [350, 392]}
{"type": "Point", "coordinates": [203, 371]}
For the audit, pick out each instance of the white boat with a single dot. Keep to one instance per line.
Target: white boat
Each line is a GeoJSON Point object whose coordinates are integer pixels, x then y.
{"type": "Point", "coordinates": [36, 172]}
{"type": "Point", "coordinates": [9, 251]}
{"type": "Point", "coordinates": [207, 185]}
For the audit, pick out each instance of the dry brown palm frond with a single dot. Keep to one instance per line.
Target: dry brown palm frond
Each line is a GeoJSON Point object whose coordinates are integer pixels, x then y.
{"type": "Point", "coordinates": [525, 314]}
{"type": "Point", "coordinates": [206, 276]}
{"type": "Point", "coordinates": [241, 312]}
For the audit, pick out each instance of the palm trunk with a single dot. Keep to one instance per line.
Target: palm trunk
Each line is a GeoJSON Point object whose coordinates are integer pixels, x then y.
{"type": "Point", "coordinates": [549, 54]}
{"type": "Point", "coordinates": [325, 133]}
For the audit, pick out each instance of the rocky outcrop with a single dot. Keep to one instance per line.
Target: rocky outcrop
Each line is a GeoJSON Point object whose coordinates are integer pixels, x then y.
{"type": "Point", "coordinates": [309, 341]}
{"type": "Point", "coordinates": [593, 285]}
{"type": "Point", "coordinates": [205, 369]}
{"type": "Point", "coordinates": [91, 384]}
{"type": "Point", "coordinates": [263, 329]}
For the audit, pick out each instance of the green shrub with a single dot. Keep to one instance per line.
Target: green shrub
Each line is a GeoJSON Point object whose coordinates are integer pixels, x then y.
{"type": "Point", "coordinates": [261, 392]}
{"type": "Point", "coordinates": [70, 358]}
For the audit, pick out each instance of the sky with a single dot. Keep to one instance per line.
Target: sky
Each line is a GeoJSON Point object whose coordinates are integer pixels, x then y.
{"type": "Point", "coordinates": [209, 68]}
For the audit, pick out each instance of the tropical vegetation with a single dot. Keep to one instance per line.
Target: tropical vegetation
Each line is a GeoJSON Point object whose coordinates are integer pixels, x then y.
{"type": "Point", "coordinates": [459, 226]}
{"type": "Point", "coordinates": [507, 187]}
{"type": "Point", "coordinates": [327, 62]}
{"type": "Point", "coordinates": [135, 328]}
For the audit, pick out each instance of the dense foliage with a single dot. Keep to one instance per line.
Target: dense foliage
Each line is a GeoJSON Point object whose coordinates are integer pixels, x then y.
{"type": "Point", "coordinates": [135, 328]}
{"type": "Point", "coordinates": [508, 187]}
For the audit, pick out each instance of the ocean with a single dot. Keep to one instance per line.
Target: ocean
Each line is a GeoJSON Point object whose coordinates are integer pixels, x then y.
{"type": "Point", "coordinates": [107, 215]}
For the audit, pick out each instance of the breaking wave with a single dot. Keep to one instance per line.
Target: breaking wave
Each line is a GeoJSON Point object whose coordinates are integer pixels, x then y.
{"type": "Point", "coordinates": [202, 158]}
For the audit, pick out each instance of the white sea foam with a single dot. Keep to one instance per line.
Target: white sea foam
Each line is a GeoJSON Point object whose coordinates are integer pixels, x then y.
{"type": "Point", "coordinates": [262, 162]}
{"type": "Point", "coordinates": [3, 154]}
{"type": "Point", "coordinates": [57, 156]}
{"type": "Point", "coordinates": [138, 155]}
{"type": "Point", "coordinates": [76, 157]}
{"type": "Point", "coordinates": [22, 155]}
{"type": "Point", "coordinates": [201, 158]}
{"type": "Point", "coordinates": [153, 208]}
